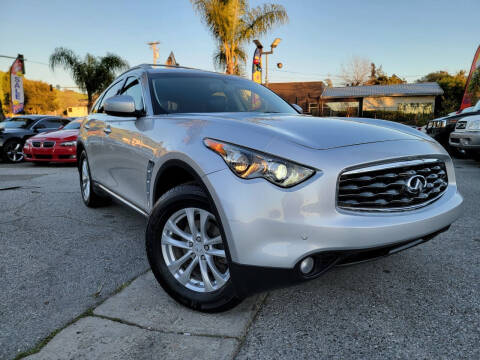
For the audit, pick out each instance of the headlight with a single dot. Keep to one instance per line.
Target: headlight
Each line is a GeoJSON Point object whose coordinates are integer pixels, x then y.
{"type": "Point", "coordinates": [68, 143]}
{"type": "Point", "coordinates": [249, 164]}
{"type": "Point", "coordinates": [473, 125]}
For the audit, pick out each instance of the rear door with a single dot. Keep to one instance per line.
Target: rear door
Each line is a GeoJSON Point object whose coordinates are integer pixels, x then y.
{"type": "Point", "coordinates": [129, 150]}
{"type": "Point", "coordinates": [95, 135]}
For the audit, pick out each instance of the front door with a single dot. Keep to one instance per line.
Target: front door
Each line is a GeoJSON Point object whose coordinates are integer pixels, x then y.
{"type": "Point", "coordinates": [95, 135]}
{"type": "Point", "coordinates": [129, 151]}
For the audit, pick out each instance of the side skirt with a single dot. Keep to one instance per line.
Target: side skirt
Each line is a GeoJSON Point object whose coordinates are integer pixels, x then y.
{"type": "Point", "coordinates": [121, 199]}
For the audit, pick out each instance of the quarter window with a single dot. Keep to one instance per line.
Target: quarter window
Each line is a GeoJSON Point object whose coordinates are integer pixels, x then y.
{"type": "Point", "coordinates": [134, 89]}
{"type": "Point", "coordinates": [111, 92]}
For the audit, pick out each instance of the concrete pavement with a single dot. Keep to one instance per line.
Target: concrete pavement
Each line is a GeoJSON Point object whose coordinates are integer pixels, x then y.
{"type": "Point", "coordinates": [422, 303]}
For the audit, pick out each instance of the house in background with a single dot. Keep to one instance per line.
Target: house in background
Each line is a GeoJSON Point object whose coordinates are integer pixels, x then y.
{"type": "Point", "coordinates": [306, 94]}
{"type": "Point", "coordinates": [409, 103]}
{"type": "Point", "coordinates": [77, 111]}
{"type": "Point", "coordinates": [367, 101]}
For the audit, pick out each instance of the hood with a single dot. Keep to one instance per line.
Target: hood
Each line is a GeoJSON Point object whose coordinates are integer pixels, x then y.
{"type": "Point", "coordinates": [327, 133]}
{"type": "Point", "coordinates": [57, 135]}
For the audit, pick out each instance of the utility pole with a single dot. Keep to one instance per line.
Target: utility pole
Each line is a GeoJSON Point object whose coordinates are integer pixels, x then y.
{"type": "Point", "coordinates": [153, 46]}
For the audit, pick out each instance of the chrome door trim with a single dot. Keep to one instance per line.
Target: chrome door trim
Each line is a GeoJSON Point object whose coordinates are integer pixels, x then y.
{"type": "Point", "coordinates": [121, 199]}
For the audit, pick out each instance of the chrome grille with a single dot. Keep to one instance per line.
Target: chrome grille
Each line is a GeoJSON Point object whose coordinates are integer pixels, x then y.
{"type": "Point", "coordinates": [36, 143]}
{"type": "Point", "coordinates": [392, 187]}
{"type": "Point", "coordinates": [461, 125]}
{"type": "Point", "coordinates": [48, 144]}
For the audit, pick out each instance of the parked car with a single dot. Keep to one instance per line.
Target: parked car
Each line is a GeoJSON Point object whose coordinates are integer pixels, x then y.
{"type": "Point", "coordinates": [57, 146]}
{"type": "Point", "coordinates": [441, 128]}
{"type": "Point", "coordinates": [244, 194]}
{"type": "Point", "coordinates": [15, 131]}
{"type": "Point", "coordinates": [467, 135]}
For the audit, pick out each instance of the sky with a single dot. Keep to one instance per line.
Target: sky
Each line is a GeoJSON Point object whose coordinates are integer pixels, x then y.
{"type": "Point", "coordinates": [407, 37]}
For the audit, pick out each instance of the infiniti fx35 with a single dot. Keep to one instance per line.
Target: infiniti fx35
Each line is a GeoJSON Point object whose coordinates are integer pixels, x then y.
{"type": "Point", "coordinates": [243, 193]}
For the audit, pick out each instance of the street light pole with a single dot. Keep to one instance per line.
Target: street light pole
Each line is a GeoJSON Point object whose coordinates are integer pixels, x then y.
{"type": "Point", "coordinates": [153, 46]}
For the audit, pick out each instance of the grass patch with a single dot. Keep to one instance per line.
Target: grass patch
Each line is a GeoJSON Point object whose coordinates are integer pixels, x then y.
{"type": "Point", "coordinates": [38, 346]}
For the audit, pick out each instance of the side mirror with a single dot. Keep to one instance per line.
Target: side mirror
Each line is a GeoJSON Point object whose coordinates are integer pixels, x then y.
{"type": "Point", "coordinates": [120, 105]}
{"type": "Point", "coordinates": [298, 108]}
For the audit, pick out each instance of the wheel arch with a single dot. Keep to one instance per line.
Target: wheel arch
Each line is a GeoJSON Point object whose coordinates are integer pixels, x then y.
{"type": "Point", "coordinates": [172, 173]}
{"type": "Point", "coordinates": [80, 148]}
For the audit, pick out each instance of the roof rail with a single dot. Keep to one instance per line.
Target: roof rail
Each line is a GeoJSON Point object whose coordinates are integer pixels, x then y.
{"type": "Point", "coordinates": [146, 65]}
{"type": "Point", "coordinates": [164, 65]}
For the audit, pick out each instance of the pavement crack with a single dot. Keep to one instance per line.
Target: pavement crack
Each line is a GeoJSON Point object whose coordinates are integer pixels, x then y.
{"type": "Point", "coordinates": [149, 328]}
{"type": "Point", "coordinates": [247, 328]}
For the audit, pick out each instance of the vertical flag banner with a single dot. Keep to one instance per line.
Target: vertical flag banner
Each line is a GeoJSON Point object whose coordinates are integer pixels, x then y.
{"type": "Point", "coordinates": [257, 66]}
{"type": "Point", "coordinates": [468, 96]}
{"type": "Point", "coordinates": [16, 84]}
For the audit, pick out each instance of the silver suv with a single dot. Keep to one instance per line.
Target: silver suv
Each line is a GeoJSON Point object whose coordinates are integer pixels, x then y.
{"type": "Point", "coordinates": [244, 194]}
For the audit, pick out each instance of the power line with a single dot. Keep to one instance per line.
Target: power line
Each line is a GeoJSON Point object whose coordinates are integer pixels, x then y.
{"type": "Point", "coordinates": [14, 57]}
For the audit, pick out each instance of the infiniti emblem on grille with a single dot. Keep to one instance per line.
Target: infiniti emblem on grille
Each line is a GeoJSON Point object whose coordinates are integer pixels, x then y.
{"type": "Point", "coordinates": [416, 184]}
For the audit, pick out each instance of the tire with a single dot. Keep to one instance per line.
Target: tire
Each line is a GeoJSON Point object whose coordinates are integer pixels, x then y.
{"type": "Point", "coordinates": [90, 197]}
{"type": "Point", "coordinates": [13, 151]}
{"type": "Point", "coordinates": [206, 253]}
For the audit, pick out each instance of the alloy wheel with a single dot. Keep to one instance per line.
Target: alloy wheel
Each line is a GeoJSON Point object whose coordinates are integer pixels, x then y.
{"type": "Point", "coordinates": [193, 250]}
{"type": "Point", "coordinates": [14, 152]}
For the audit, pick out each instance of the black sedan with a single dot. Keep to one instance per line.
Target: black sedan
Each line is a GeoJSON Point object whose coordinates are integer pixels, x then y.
{"type": "Point", "coordinates": [14, 132]}
{"type": "Point", "coordinates": [441, 128]}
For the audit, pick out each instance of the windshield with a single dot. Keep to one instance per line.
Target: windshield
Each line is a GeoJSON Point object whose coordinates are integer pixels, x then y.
{"type": "Point", "coordinates": [18, 123]}
{"type": "Point", "coordinates": [72, 125]}
{"type": "Point", "coordinates": [186, 93]}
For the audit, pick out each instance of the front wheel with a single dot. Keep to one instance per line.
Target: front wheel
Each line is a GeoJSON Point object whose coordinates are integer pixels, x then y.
{"type": "Point", "coordinates": [13, 151]}
{"type": "Point", "coordinates": [187, 251]}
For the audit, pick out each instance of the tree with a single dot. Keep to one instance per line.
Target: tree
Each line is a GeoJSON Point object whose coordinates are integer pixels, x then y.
{"type": "Point", "coordinates": [355, 72]}
{"type": "Point", "coordinates": [92, 74]}
{"type": "Point", "coordinates": [39, 99]}
{"type": "Point", "coordinates": [453, 87]}
{"type": "Point", "coordinates": [378, 77]}
{"type": "Point", "coordinates": [233, 23]}
{"type": "Point", "coordinates": [2, 115]}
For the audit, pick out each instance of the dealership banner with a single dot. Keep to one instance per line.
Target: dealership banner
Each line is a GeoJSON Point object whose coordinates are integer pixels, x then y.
{"type": "Point", "coordinates": [16, 82]}
{"type": "Point", "coordinates": [257, 66]}
{"type": "Point", "coordinates": [468, 96]}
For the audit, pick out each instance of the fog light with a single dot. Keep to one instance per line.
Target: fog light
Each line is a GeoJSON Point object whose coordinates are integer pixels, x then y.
{"type": "Point", "coordinates": [306, 266]}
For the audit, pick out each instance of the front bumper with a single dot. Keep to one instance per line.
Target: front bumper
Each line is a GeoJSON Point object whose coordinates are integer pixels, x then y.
{"type": "Point", "coordinates": [58, 154]}
{"type": "Point", "coordinates": [252, 279]}
{"type": "Point", "coordinates": [469, 140]}
{"type": "Point", "coordinates": [270, 227]}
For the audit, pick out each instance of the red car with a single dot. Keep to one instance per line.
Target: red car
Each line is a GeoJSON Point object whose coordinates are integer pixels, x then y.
{"type": "Point", "coordinates": [57, 146]}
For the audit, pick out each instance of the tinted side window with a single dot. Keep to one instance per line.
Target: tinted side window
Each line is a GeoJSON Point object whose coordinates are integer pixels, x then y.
{"type": "Point", "coordinates": [134, 89]}
{"type": "Point", "coordinates": [49, 124]}
{"type": "Point", "coordinates": [112, 91]}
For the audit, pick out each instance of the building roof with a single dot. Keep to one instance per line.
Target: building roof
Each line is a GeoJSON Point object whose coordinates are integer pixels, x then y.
{"type": "Point", "coordinates": [417, 89]}
{"type": "Point", "coordinates": [298, 91]}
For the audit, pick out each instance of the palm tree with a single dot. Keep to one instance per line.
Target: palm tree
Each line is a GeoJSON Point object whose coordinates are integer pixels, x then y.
{"type": "Point", "coordinates": [233, 23]}
{"type": "Point", "coordinates": [92, 74]}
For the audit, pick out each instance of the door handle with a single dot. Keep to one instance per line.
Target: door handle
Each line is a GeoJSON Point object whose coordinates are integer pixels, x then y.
{"type": "Point", "coordinates": [107, 130]}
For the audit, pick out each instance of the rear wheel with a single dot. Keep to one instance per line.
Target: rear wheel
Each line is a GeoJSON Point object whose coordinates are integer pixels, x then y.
{"type": "Point", "coordinates": [13, 151]}
{"type": "Point", "coordinates": [90, 197]}
{"type": "Point", "coordinates": [187, 251]}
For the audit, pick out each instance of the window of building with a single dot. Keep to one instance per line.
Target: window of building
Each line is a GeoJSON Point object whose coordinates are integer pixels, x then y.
{"type": "Point", "coordinates": [313, 108]}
